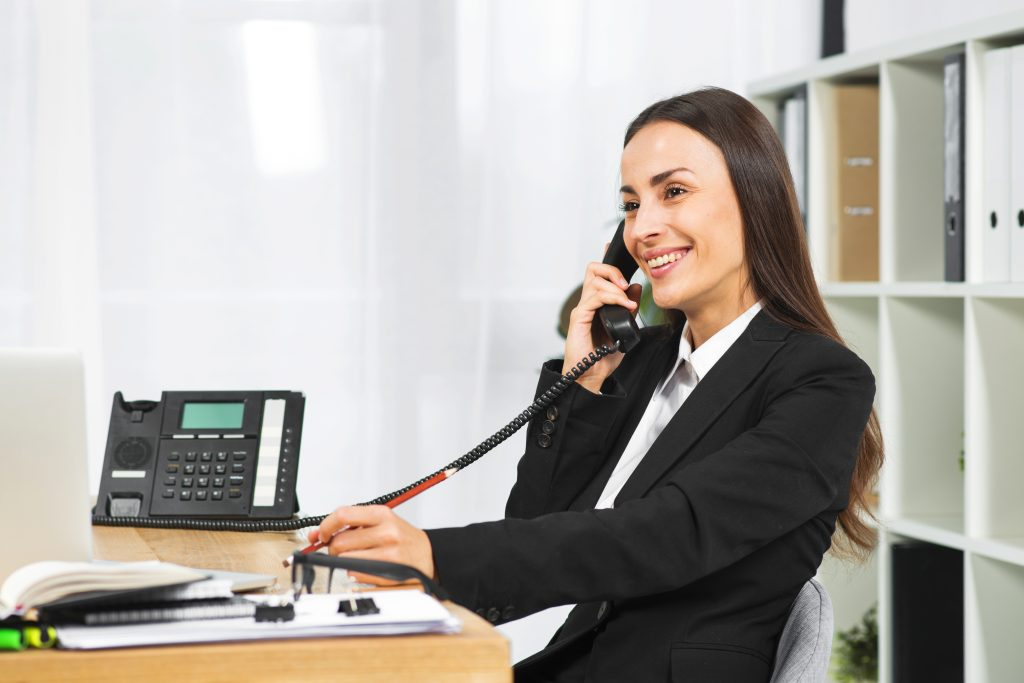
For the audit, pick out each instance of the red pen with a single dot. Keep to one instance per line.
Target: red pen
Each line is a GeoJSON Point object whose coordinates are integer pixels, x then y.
{"type": "Point", "coordinates": [394, 502]}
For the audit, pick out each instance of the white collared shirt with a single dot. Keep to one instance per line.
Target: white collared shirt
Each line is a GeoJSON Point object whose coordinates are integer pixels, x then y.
{"type": "Point", "coordinates": [691, 365]}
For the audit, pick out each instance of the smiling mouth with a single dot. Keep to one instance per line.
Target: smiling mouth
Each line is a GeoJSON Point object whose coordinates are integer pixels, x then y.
{"type": "Point", "coordinates": [666, 259]}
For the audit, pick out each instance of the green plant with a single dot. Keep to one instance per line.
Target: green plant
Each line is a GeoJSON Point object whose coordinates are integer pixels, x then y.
{"type": "Point", "coordinates": [855, 651]}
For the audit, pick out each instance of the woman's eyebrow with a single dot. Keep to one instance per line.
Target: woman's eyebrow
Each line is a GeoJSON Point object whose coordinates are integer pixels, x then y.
{"type": "Point", "coordinates": [656, 179]}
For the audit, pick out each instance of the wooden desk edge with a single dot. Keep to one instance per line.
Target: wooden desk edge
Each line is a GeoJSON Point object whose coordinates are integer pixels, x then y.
{"type": "Point", "coordinates": [478, 654]}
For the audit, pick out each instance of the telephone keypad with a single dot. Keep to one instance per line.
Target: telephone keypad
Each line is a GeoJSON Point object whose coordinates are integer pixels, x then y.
{"type": "Point", "coordinates": [206, 477]}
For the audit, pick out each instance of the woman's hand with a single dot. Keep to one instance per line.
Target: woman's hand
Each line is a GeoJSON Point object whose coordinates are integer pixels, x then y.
{"type": "Point", "coordinates": [603, 284]}
{"type": "Point", "coordinates": [375, 532]}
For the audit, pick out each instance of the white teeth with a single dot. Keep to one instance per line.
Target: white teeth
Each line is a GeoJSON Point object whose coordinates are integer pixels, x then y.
{"type": "Point", "coordinates": [662, 260]}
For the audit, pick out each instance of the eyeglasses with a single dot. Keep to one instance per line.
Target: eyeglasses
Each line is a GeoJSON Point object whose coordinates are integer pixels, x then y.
{"type": "Point", "coordinates": [304, 572]}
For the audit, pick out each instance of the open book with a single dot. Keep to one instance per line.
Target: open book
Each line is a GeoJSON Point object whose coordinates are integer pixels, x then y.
{"type": "Point", "coordinates": [41, 583]}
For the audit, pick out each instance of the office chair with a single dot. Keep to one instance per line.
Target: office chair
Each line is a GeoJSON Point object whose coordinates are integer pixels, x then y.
{"type": "Point", "coordinates": [806, 641]}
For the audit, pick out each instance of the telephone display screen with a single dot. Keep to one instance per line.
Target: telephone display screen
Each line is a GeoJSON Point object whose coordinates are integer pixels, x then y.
{"type": "Point", "coordinates": [212, 415]}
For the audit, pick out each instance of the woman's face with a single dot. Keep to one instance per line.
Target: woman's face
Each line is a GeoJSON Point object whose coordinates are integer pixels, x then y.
{"type": "Point", "coordinates": [683, 223]}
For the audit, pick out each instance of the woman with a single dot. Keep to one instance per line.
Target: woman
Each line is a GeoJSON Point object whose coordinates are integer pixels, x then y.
{"type": "Point", "coordinates": [680, 495]}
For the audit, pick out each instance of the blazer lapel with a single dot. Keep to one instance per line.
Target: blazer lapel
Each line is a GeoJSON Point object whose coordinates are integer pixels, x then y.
{"type": "Point", "coordinates": [641, 385]}
{"type": "Point", "coordinates": [734, 371]}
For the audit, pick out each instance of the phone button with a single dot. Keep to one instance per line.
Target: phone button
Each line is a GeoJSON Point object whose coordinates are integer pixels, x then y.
{"type": "Point", "coordinates": [220, 469]}
{"type": "Point", "coordinates": [236, 481]}
{"type": "Point", "coordinates": [190, 456]}
{"type": "Point", "coordinates": [240, 455]}
{"type": "Point", "coordinates": [238, 468]}
{"type": "Point", "coordinates": [217, 494]}
{"type": "Point", "coordinates": [204, 469]}
{"type": "Point", "coordinates": [218, 482]}
{"type": "Point", "coordinates": [234, 493]}
{"type": "Point", "coordinates": [203, 482]}
{"type": "Point", "coordinates": [200, 495]}
{"type": "Point", "coordinates": [190, 469]}
{"type": "Point", "coordinates": [221, 456]}
{"type": "Point", "coordinates": [170, 481]}
{"type": "Point", "coordinates": [186, 495]}
{"type": "Point", "coordinates": [174, 456]}
{"type": "Point", "coordinates": [206, 456]}
{"type": "Point", "coordinates": [172, 469]}
{"type": "Point", "coordinates": [168, 493]}
{"type": "Point", "coordinates": [186, 482]}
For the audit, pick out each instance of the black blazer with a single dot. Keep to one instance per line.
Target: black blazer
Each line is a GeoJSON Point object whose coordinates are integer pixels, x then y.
{"type": "Point", "coordinates": [691, 575]}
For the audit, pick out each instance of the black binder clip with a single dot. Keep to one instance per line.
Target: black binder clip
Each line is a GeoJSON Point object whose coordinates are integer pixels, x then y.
{"type": "Point", "coordinates": [357, 607]}
{"type": "Point", "coordinates": [282, 612]}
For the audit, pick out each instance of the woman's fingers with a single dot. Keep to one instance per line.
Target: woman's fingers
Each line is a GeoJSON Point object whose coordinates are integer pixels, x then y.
{"type": "Point", "coordinates": [376, 532]}
{"type": "Point", "coordinates": [605, 271]}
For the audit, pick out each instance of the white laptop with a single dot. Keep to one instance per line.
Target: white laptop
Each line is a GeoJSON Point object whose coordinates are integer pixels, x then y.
{"type": "Point", "coordinates": [44, 487]}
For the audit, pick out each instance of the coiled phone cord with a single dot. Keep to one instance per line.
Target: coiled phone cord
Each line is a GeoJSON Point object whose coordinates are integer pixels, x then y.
{"type": "Point", "coordinates": [535, 408]}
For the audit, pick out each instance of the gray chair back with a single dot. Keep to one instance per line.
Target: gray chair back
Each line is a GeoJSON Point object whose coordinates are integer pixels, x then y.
{"type": "Point", "coordinates": [806, 641]}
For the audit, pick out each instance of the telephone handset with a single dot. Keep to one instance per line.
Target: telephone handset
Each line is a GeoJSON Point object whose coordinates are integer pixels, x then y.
{"type": "Point", "coordinates": [619, 322]}
{"type": "Point", "coordinates": [153, 446]}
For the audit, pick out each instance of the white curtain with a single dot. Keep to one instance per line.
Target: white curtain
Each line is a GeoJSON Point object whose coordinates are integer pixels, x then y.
{"type": "Point", "coordinates": [381, 203]}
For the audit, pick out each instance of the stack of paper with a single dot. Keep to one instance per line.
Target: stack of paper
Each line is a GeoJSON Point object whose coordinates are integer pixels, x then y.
{"type": "Point", "coordinates": [401, 612]}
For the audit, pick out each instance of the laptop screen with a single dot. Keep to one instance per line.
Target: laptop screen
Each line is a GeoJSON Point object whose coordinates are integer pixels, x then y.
{"type": "Point", "coordinates": [44, 487]}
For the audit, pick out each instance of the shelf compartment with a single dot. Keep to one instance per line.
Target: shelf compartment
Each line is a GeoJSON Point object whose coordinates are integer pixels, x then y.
{"type": "Point", "coordinates": [994, 453]}
{"type": "Point", "coordinates": [921, 404]}
{"type": "Point", "coordinates": [993, 619]}
{"type": "Point", "coordinates": [911, 170]}
{"type": "Point", "coordinates": [857, 320]}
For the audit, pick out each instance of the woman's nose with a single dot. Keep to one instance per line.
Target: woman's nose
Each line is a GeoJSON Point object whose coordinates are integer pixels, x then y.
{"type": "Point", "coordinates": [648, 223]}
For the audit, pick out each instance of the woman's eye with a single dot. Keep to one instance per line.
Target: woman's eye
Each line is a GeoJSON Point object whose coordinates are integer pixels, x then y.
{"type": "Point", "coordinates": [674, 191]}
{"type": "Point", "coordinates": [629, 207]}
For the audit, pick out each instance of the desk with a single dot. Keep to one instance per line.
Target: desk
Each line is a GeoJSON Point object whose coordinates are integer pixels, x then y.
{"type": "Point", "coordinates": [479, 654]}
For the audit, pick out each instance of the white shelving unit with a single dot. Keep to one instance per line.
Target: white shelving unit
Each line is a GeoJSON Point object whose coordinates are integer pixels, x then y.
{"type": "Point", "coordinates": [948, 357]}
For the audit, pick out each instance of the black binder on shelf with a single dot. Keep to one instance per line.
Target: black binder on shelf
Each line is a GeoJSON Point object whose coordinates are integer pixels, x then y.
{"type": "Point", "coordinates": [927, 613]}
{"type": "Point", "coordinates": [953, 168]}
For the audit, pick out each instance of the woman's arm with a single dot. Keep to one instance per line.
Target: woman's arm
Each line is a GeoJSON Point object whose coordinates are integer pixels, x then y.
{"type": "Point", "coordinates": [793, 465]}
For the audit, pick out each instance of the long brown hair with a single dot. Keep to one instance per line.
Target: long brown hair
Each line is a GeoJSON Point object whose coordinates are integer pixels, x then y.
{"type": "Point", "coordinates": [776, 252]}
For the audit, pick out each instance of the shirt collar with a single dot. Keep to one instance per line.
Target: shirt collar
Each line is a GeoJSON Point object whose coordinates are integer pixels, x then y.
{"type": "Point", "coordinates": [704, 358]}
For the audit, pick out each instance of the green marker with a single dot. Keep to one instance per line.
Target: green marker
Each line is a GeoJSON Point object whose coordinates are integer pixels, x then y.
{"type": "Point", "coordinates": [40, 637]}
{"type": "Point", "coordinates": [10, 639]}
